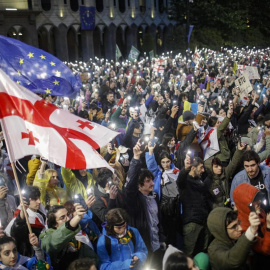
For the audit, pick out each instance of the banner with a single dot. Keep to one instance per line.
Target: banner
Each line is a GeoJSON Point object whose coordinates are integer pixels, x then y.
{"type": "Point", "coordinates": [33, 126]}
{"type": "Point", "coordinates": [244, 84]}
{"type": "Point", "coordinates": [252, 72]}
{"type": "Point", "coordinates": [36, 69]}
{"type": "Point", "coordinates": [87, 15]}
{"type": "Point", "coordinates": [151, 55]}
{"type": "Point", "coordinates": [118, 53]}
{"type": "Point", "coordinates": [133, 54]}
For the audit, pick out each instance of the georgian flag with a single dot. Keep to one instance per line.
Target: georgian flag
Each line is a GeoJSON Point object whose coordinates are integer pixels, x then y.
{"type": "Point", "coordinates": [209, 143]}
{"type": "Point", "coordinates": [33, 126]}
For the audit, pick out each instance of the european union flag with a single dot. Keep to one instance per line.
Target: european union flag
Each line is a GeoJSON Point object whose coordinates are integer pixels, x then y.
{"type": "Point", "coordinates": [36, 69]}
{"type": "Point", "coordinates": [87, 17]}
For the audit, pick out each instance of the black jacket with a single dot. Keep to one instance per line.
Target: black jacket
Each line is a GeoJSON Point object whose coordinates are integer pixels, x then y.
{"type": "Point", "coordinates": [243, 123]}
{"type": "Point", "coordinates": [19, 231]}
{"type": "Point", "coordinates": [137, 207]}
{"type": "Point", "coordinates": [103, 204]}
{"type": "Point", "coordinates": [194, 198]}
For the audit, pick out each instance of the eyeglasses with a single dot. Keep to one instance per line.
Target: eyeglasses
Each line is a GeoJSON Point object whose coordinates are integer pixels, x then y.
{"type": "Point", "coordinates": [235, 226]}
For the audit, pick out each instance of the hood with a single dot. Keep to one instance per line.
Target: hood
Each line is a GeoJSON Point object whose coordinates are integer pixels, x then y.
{"type": "Point", "coordinates": [243, 195]}
{"type": "Point", "coordinates": [216, 224]}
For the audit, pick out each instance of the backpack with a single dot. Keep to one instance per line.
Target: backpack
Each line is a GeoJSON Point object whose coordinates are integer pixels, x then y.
{"type": "Point", "coordinates": [108, 242]}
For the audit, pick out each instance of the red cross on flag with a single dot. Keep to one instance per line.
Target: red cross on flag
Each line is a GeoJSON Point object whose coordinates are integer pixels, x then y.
{"type": "Point", "coordinates": [196, 57]}
{"type": "Point", "coordinates": [209, 143]}
{"type": "Point", "coordinates": [33, 126]}
{"type": "Point", "coordinates": [158, 69]}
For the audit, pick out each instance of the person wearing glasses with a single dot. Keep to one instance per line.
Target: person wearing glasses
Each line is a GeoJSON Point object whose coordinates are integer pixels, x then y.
{"type": "Point", "coordinates": [230, 248]}
{"type": "Point", "coordinates": [61, 240]}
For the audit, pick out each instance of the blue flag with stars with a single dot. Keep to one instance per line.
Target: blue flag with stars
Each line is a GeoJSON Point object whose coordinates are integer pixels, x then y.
{"type": "Point", "coordinates": [36, 69]}
{"type": "Point", "coordinates": [87, 17]}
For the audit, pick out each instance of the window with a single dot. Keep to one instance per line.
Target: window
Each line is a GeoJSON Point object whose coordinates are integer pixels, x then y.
{"type": "Point", "coordinates": [160, 6]}
{"type": "Point", "coordinates": [122, 5]}
{"type": "Point", "coordinates": [142, 6]}
{"type": "Point", "coordinates": [46, 5]}
{"type": "Point", "coordinates": [74, 5]}
{"type": "Point", "coordinates": [99, 5]}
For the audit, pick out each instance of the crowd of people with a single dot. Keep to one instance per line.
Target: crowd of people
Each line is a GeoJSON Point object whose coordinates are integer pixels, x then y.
{"type": "Point", "coordinates": [191, 181]}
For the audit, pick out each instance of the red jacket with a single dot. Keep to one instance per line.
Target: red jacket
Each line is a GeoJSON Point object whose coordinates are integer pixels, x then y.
{"type": "Point", "coordinates": [243, 195]}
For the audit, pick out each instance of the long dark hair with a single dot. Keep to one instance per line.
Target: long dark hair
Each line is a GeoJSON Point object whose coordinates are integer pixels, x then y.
{"type": "Point", "coordinates": [162, 155]}
{"type": "Point", "coordinates": [166, 139]}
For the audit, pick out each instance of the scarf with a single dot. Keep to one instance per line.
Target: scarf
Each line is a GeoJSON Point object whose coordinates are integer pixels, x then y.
{"type": "Point", "coordinates": [170, 175]}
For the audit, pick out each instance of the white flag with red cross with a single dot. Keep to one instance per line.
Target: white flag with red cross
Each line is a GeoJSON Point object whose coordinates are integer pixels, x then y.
{"type": "Point", "coordinates": [33, 126]}
{"type": "Point", "coordinates": [160, 62]}
{"type": "Point", "coordinates": [158, 69]}
{"type": "Point", "coordinates": [196, 57]}
{"type": "Point", "coordinates": [209, 143]}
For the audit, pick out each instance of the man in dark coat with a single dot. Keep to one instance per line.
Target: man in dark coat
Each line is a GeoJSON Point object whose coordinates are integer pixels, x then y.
{"type": "Point", "coordinates": [143, 207]}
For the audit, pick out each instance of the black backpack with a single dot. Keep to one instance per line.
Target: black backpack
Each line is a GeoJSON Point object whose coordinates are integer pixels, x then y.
{"type": "Point", "coordinates": [108, 242]}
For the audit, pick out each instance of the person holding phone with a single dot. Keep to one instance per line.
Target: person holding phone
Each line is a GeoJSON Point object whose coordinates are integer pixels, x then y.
{"type": "Point", "coordinates": [166, 174]}
{"type": "Point", "coordinates": [46, 181]}
{"type": "Point", "coordinates": [120, 246]}
{"type": "Point", "coordinates": [60, 240]}
{"type": "Point", "coordinates": [17, 227]}
{"type": "Point", "coordinates": [7, 204]}
{"type": "Point", "coordinates": [248, 199]}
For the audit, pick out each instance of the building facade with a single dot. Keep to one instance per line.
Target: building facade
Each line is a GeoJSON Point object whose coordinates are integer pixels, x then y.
{"type": "Point", "coordinates": [54, 26]}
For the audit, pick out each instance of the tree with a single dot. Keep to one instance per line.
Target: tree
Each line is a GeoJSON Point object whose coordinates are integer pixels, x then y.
{"type": "Point", "coordinates": [229, 21]}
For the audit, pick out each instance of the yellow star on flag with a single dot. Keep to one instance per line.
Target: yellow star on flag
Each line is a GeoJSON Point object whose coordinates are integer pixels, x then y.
{"type": "Point", "coordinates": [57, 73]}
{"type": "Point", "coordinates": [56, 82]}
{"type": "Point", "coordinates": [42, 56]}
{"type": "Point", "coordinates": [21, 61]}
{"type": "Point", "coordinates": [52, 63]}
{"type": "Point", "coordinates": [30, 55]}
{"type": "Point", "coordinates": [18, 82]}
{"type": "Point", "coordinates": [48, 91]}
{"type": "Point", "coordinates": [19, 73]}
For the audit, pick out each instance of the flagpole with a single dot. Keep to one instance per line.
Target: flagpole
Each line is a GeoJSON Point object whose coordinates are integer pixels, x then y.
{"type": "Point", "coordinates": [21, 198]}
{"type": "Point", "coordinates": [17, 181]}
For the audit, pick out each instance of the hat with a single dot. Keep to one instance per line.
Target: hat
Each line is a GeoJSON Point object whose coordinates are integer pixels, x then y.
{"type": "Point", "coordinates": [122, 149]}
{"type": "Point", "coordinates": [188, 115]}
{"type": "Point", "coordinates": [202, 261]}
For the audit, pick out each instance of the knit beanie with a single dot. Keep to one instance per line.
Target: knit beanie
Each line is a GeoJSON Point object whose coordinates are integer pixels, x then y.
{"type": "Point", "coordinates": [188, 115]}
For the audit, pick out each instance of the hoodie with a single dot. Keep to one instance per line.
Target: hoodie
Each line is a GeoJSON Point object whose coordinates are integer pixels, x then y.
{"type": "Point", "coordinates": [224, 253]}
{"type": "Point", "coordinates": [243, 195]}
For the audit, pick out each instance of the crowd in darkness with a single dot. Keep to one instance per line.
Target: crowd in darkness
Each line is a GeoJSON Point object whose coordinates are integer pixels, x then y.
{"type": "Point", "coordinates": [191, 181]}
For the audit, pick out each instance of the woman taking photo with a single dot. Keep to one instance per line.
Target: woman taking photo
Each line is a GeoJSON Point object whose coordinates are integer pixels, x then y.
{"type": "Point", "coordinates": [11, 259]}
{"type": "Point", "coordinates": [165, 186]}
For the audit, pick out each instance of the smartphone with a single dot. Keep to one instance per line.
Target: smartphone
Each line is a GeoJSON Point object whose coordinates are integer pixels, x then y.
{"type": "Point", "coordinates": [79, 199]}
{"type": "Point", "coordinates": [142, 148]}
{"type": "Point", "coordinates": [240, 139]}
{"type": "Point", "coordinates": [191, 154]}
{"type": "Point", "coordinates": [251, 206]}
{"type": "Point", "coordinates": [153, 141]}
{"type": "Point", "coordinates": [26, 197]}
{"type": "Point", "coordinates": [113, 143]}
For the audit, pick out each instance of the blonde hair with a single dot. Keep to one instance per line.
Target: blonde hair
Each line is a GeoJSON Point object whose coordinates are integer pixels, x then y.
{"type": "Point", "coordinates": [49, 173]}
